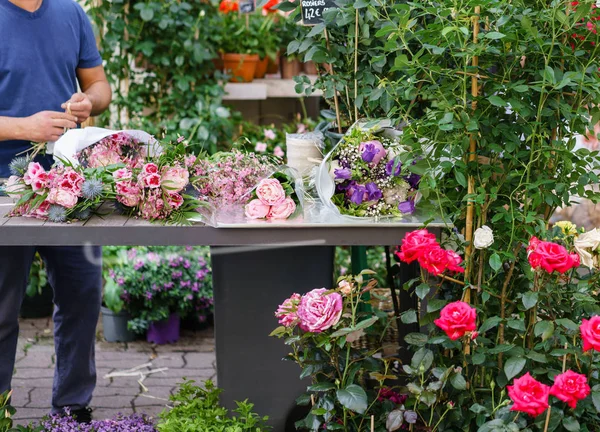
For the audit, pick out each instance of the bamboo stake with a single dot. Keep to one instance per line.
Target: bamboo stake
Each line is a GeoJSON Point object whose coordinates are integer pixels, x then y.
{"type": "Point", "coordinates": [472, 157]}
{"type": "Point", "coordinates": [372, 423]}
{"type": "Point", "coordinates": [356, 68]}
{"type": "Point", "coordinates": [335, 94]}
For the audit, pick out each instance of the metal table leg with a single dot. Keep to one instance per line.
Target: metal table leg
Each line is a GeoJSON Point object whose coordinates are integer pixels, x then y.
{"type": "Point", "coordinates": [249, 284]}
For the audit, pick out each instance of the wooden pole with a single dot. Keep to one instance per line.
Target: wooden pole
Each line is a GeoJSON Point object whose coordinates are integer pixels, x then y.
{"type": "Point", "coordinates": [372, 423]}
{"type": "Point", "coordinates": [356, 68]}
{"type": "Point", "coordinates": [469, 228]}
{"type": "Point", "coordinates": [335, 93]}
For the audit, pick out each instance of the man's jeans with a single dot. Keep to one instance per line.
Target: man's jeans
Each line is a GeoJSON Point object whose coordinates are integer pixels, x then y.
{"type": "Point", "coordinates": [75, 274]}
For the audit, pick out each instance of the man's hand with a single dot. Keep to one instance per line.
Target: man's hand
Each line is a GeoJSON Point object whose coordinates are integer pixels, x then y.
{"type": "Point", "coordinates": [80, 106]}
{"type": "Point", "coordinates": [47, 126]}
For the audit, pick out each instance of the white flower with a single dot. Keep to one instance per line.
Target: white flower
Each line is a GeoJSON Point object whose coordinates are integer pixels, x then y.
{"type": "Point", "coordinates": [586, 244]}
{"type": "Point", "coordinates": [14, 187]}
{"type": "Point", "coordinates": [484, 237]}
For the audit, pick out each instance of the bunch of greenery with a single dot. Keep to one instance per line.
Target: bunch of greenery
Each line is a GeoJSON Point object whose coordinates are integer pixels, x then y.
{"type": "Point", "coordinates": [197, 409]}
{"type": "Point", "coordinates": [159, 58]}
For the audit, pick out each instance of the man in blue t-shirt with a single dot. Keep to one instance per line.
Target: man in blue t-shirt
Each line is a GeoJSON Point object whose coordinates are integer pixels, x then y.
{"type": "Point", "coordinates": [47, 47]}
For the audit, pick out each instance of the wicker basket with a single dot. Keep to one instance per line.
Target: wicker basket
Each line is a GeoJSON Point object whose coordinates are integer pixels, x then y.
{"type": "Point", "coordinates": [381, 298]}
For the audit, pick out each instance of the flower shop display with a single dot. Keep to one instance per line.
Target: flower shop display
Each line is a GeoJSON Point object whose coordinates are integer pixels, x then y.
{"type": "Point", "coordinates": [369, 176]}
{"type": "Point", "coordinates": [160, 285]}
{"type": "Point", "coordinates": [275, 198]}
{"type": "Point", "coordinates": [63, 193]}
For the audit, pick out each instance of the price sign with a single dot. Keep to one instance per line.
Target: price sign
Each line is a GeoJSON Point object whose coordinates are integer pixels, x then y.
{"type": "Point", "coordinates": [247, 6]}
{"type": "Point", "coordinates": [312, 10]}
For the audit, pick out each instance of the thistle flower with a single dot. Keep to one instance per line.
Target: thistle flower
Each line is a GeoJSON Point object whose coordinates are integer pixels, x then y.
{"type": "Point", "coordinates": [92, 189]}
{"type": "Point", "coordinates": [18, 166]}
{"type": "Point", "coordinates": [57, 214]}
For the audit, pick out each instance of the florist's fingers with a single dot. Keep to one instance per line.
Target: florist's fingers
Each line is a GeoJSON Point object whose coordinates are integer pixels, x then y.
{"type": "Point", "coordinates": [64, 123]}
{"type": "Point", "coordinates": [64, 116]}
{"type": "Point", "coordinates": [79, 107]}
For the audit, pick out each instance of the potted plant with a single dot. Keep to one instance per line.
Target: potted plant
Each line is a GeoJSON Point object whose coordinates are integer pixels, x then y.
{"type": "Point", "coordinates": [266, 27]}
{"type": "Point", "coordinates": [160, 286]}
{"type": "Point", "coordinates": [239, 43]}
{"type": "Point", "coordinates": [114, 315]}
{"type": "Point", "coordinates": [39, 294]}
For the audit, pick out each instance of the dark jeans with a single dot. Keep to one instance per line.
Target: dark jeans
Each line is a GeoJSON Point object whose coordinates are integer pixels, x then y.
{"type": "Point", "coordinates": [75, 274]}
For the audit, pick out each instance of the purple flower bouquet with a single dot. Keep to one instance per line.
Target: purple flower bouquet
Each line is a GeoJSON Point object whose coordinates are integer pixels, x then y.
{"type": "Point", "coordinates": [367, 175]}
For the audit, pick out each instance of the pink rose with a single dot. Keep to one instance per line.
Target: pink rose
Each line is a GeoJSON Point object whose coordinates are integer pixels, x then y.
{"type": "Point", "coordinates": [278, 151]}
{"type": "Point", "coordinates": [283, 210]}
{"type": "Point", "coordinates": [570, 387]}
{"type": "Point", "coordinates": [190, 160]}
{"type": "Point", "coordinates": [590, 333]}
{"type": "Point", "coordinates": [457, 319]}
{"type": "Point", "coordinates": [415, 244]}
{"type": "Point", "coordinates": [551, 256]}
{"type": "Point", "coordinates": [150, 168]}
{"type": "Point", "coordinates": [174, 179]}
{"type": "Point", "coordinates": [529, 395]}
{"type": "Point", "coordinates": [270, 192]}
{"type": "Point", "coordinates": [62, 197]}
{"type": "Point", "coordinates": [152, 181]}
{"type": "Point", "coordinates": [319, 311]}
{"type": "Point", "coordinates": [255, 209]}
{"type": "Point", "coordinates": [287, 311]}
{"type": "Point", "coordinates": [122, 174]}
{"type": "Point", "coordinates": [14, 187]}
{"type": "Point", "coordinates": [174, 200]}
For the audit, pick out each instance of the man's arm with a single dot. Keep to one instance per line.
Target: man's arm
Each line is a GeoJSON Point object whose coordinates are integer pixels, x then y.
{"type": "Point", "coordinates": [41, 127]}
{"type": "Point", "coordinates": [95, 97]}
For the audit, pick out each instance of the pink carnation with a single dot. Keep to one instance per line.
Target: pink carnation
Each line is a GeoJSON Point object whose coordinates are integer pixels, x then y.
{"type": "Point", "coordinates": [122, 174]}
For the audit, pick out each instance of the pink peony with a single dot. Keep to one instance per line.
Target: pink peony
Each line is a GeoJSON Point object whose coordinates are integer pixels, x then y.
{"type": "Point", "coordinates": [152, 181]}
{"type": "Point", "coordinates": [122, 174]}
{"type": "Point", "coordinates": [287, 311]}
{"type": "Point", "coordinates": [62, 197]}
{"type": "Point", "coordinates": [270, 192]}
{"type": "Point", "coordinates": [174, 179]}
{"type": "Point", "coordinates": [319, 311]}
{"type": "Point", "coordinates": [255, 209]}
{"type": "Point", "coordinates": [283, 210]}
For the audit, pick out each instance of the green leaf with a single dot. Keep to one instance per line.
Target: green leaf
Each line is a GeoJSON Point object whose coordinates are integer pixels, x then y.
{"type": "Point", "coordinates": [568, 324]}
{"type": "Point", "coordinates": [478, 358]}
{"type": "Point", "coordinates": [323, 386]}
{"type": "Point", "coordinates": [366, 323]}
{"type": "Point", "coordinates": [497, 101]}
{"type": "Point", "coordinates": [460, 178]}
{"type": "Point", "coordinates": [495, 262]}
{"type": "Point", "coordinates": [494, 35]}
{"type": "Point", "coordinates": [489, 324]}
{"type": "Point", "coordinates": [409, 317]}
{"type": "Point", "coordinates": [418, 339]}
{"type": "Point", "coordinates": [537, 357]}
{"type": "Point", "coordinates": [596, 400]}
{"type": "Point", "coordinates": [571, 424]}
{"type": "Point", "coordinates": [545, 329]}
{"type": "Point", "coordinates": [529, 299]}
{"type": "Point", "coordinates": [147, 14]}
{"type": "Point", "coordinates": [514, 366]}
{"type": "Point", "coordinates": [422, 290]}
{"type": "Point", "coordinates": [458, 382]}
{"type": "Point", "coordinates": [422, 358]}
{"type": "Point", "coordinates": [354, 398]}
{"type": "Point", "coordinates": [286, 6]}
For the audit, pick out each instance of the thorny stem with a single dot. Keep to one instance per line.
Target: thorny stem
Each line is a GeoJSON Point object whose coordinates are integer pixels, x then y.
{"type": "Point", "coordinates": [503, 300]}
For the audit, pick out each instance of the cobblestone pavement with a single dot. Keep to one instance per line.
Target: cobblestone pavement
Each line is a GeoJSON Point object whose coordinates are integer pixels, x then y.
{"type": "Point", "coordinates": [192, 357]}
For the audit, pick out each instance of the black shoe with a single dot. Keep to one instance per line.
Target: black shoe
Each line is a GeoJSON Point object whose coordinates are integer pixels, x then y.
{"type": "Point", "coordinates": [83, 415]}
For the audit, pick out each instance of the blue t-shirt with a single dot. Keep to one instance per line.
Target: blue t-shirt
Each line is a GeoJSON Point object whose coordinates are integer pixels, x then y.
{"type": "Point", "coordinates": [39, 54]}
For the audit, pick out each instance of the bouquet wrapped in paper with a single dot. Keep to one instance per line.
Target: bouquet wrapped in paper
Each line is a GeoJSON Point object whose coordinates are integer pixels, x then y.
{"type": "Point", "coordinates": [367, 175]}
{"type": "Point", "coordinates": [60, 194]}
{"type": "Point", "coordinates": [244, 187]}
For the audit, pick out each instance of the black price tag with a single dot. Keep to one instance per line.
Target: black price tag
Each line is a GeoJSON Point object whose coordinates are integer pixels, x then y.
{"type": "Point", "coordinates": [312, 10]}
{"type": "Point", "coordinates": [247, 6]}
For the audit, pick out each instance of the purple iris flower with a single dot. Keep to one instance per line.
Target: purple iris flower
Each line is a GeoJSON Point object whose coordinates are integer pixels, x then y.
{"type": "Point", "coordinates": [413, 180]}
{"type": "Point", "coordinates": [369, 152]}
{"type": "Point", "coordinates": [373, 192]}
{"type": "Point", "coordinates": [343, 174]}
{"type": "Point", "coordinates": [407, 207]}
{"type": "Point", "coordinates": [389, 167]}
{"type": "Point", "coordinates": [358, 194]}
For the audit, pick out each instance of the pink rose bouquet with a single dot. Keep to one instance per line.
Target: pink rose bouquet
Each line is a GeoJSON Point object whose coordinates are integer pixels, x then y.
{"type": "Point", "coordinates": [58, 195]}
{"type": "Point", "coordinates": [273, 199]}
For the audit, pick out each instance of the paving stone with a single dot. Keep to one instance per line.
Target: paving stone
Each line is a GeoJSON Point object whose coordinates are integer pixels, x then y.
{"type": "Point", "coordinates": [30, 383]}
{"type": "Point", "coordinates": [33, 373]}
{"type": "Point", "coordinates": [122, 363]}
{"type": "Point", "coordinates": [116, 401]}
{"type": "Point", "coordinates": [170, 361]}
{"type": "Point", "coordinates": [157, 396]}
{"type": "Point", "coordinates": [116, 391]}
{"type": "Point", "coordinates": [40, 398]}
{"type": "Point", "coordinates": [20, 397]}
{"type": "Point", "coordinates": [25, 417]}
{"type": "Point", "coordinates": [199, 360]}
{"type": "Point", "coordinates": [36, 360]}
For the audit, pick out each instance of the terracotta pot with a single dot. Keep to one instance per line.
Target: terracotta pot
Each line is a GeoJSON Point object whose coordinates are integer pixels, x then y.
{"type": "Point", "coordinates": [218, 62]}
{"type": "Point", "coordinates": [261, 68]}
{"type": "Point", "coordinates": [241, 66]}
{"type": "Point", "coordinates": [290, 68]}
{"type": "Point", "coordinates": [310, 68]}
{"type": "Point", "coordinates": [273, 66]}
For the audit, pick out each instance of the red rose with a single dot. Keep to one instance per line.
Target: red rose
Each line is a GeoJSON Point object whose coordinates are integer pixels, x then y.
{"type": "Point", "coordinates": [570, 387]}
{"type": "Point", "coordinates": [590, 333]}
{"type": "Point", "coordinates": [529, 395]}
{"type": "Point", "coordinates": [414, 244]}
{"type": "Point", "coordinates": [437, 260]}
{"type": "Point", "coordinates": [457, 319]}
{"type": "Point", "coordinates": [551, 256]}
{"type": "Point", "coordinates": [454, 261]}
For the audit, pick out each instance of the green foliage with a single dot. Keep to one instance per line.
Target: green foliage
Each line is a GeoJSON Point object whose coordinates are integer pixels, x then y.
{"type": "Point", "coordinates": [197, 409]}
{"type": "Point", "coordinates": [38, 278]}
{"type": "Point", "coordinates": [159, 57]}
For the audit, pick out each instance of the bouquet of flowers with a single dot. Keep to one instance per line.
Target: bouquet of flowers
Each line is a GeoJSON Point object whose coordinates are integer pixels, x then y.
{"type": "Point", "coordinates": [114, 149]}
{"type": "Point", "coordinates": [58, 195]}
{"type": "Point", "coordinates": [368, 175]}
{"type": "Point", "coordinates": [274, 198]}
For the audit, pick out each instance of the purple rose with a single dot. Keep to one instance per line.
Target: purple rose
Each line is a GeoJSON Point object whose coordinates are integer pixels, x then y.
{"type": "Point", "coordinates": [318, 311]}
{"type": "Point", "coordinates": [343, 174]}
{"type": "Point", "coordinates": [390, 170]}
{"type": "Point", "coordinates": [372, 151]}
{"type": "Point", "coordinates": [373, 192]}
{"type": "Point", "coordinates": [407, 207]}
